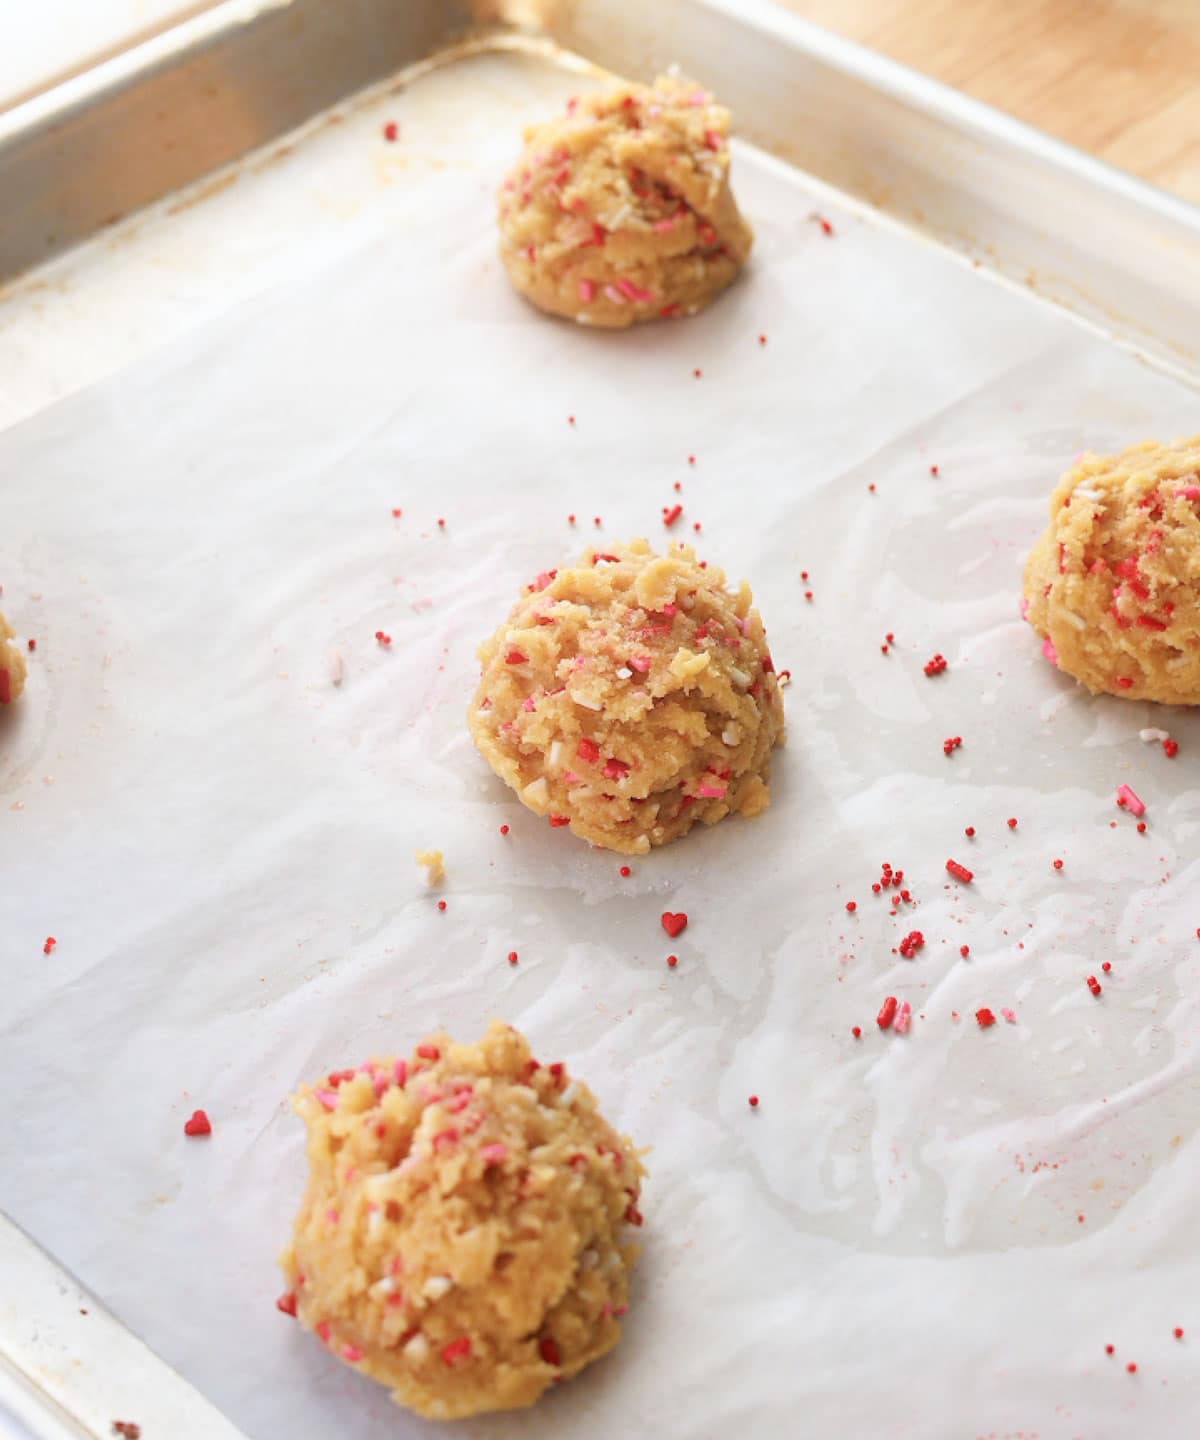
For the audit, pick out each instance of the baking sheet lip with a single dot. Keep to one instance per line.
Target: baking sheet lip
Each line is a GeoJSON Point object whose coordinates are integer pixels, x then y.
{"type": "Point", "coordinates": [939, 101]}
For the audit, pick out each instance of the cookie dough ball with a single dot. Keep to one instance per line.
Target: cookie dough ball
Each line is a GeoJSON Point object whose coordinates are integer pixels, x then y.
{"type": "Point", "coordinates": [12, 665]}
{"type": "Point", "coordinates": [1113, 586]}
{"type": "Point", "coordinates": [465, 1236]}
{"type": "Point", "coordinates": [630, 697]}
{"type": "Point", "coordinates": [622, 211]}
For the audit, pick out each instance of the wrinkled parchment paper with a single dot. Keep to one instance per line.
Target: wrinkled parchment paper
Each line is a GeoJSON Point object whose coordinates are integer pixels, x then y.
{"type": "Point", "coordinates": [922, 1236]}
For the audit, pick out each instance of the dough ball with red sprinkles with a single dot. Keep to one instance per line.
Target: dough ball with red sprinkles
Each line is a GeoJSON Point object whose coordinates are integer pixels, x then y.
{"type": "Point", "coordinates": [630, 697]}
{"type": "Point", "coordinates": [466, 1236]}
{"type": "Point", "coordinates": [620, 211]}
{"type": "Point", "coordinates": [1113, 586]}
{"type": "Point", "coordinates": [12, 665]}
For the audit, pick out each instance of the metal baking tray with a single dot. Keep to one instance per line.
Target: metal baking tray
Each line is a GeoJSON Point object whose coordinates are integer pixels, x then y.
{"type": "Point", "coordinates": [162, 145]}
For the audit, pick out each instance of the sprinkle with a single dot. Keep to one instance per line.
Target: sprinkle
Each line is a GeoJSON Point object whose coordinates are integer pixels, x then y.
{"type": "Point", "coordinates": [429, 1052]}
{"type": "Point", "coordinates": [51, 942]}
{"type": "Point", "coordinates": [1108, 1349]}
{"type": "Point", "coordinates": [515, 657]}
{"type": "Point", "coordinates": [1141, 827]}
{"type": "Point", "coordinates": [856, 1031]}
{"type": "Point", "coordinates": [851, 906]}
{"type": "Point", "coordinates": [441, 523]}
{"type": "Point", "coordinates": [887, 1013]}
{"type": "Point", "coordinates": [126, 1429]}
{"type": "Point", "coordinates": [391, 131]}
{"type": "Point", "coordinates": [697, 373]}
{"type": "Point", "coordinates": [504, 829]}
{"type": "Point", "coordinates": [754, 1102]}
{"type": "Point", "coordinates": [670, 516]}
{"type": "Point", "coordinates": [911, 944]}
{"type": "Point", "coordinates": [287, 1303]}
{"type": "Point", "coordinates": [1094, 985]}
{"type": "Point", "coordinates": [1011, 822]}
{"type": "Point", "coordinates": [1171, 748]}
{"type": "Point", "coordinates": [691, 459]}
{"type": "Point", "coordinates": [587, 291]}
{"type": "Point", "coordinates": [903, 1018]}
{"type": "Point", "coordinates": [328, 1098]}
{"type": "Point", "coordinates": [570, 519]}
{"type": "Point", "coordinates": [33, 645]}
{"type": "Point", "coordinates": [1009, 1014]}
{"type": "Point", "coordinates": [933, 469]}
{"type": "Point", "coordinates": [826, 227]}
{"type": "Point", "coordinates": [1179, 1328]}
{"type": "Point", "coordinates": [964, 950]}
{"type": "Point", "coordinates": [441, 905]}
{"type": "Point", "coordinates": [549, 1351]}
{"type": "Point", "coordinates": [457, 1350]}
{"type": "Point", "coordinates": [558, 821]}
{"type": "Point", "coordinates": [198, 1125]}
{"type": "Point", "coordinates": [352, 1353]}
{"type": "Point", "coordinates": [960, 872]}
{"type": "Point", "coordinates": [493, 1154]}
{"type": "Point", "coordinates": [672, 961]}
{"type": "Point", "coordinates": [588, 750]}
{"type": "Point", "coordinates": [513, 957]}
{"type": "Point", "coordinates": [1132, 1367]}
{"type": "Point", "coordinates": [595, 520]}
{"type": "Point", "coordinates": [1128, 799]}
{"type": "Point", "coordinates": [936, 665]}
{"type": "Point", "coordinates": [1058, 864]}
{"type": "Point", "coordinates": [1106, 966]}
{"type": "Point", "coordinates": [984, 1018]}
{"type": "Point", "coordinates": [953, 743]}
{"type": "Point", "coordinates": [674, 925]}
{"type": "Point", "coordinates": [762, 339]}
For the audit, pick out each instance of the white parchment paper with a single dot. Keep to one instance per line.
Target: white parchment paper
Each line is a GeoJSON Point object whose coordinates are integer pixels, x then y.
{"type": "Point", "coordinates": [923, 1236]}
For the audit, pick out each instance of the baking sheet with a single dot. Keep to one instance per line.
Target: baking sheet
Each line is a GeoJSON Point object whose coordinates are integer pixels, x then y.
{"type": "Point", "coordinates": [221, 841]}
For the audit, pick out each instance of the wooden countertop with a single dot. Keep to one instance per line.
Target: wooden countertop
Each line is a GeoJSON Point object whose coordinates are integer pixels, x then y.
{"type": "Point", "coordinates": [1119, 78]}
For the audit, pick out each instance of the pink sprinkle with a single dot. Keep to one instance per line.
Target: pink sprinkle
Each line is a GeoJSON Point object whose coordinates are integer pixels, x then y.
{"type": "Point", "coordinates": [352, 1353]}
{"type": "Point", "coordinates": [640, 663]}
{"type": "Point", "coordinates": [587, 291]}
{"type": "Point", "coordinates": [401, 1068]}
{"type": "Point", "coordinates": [328, 1098]}
{"type": "Point", "coordinates": [1189, 492]}
{"type": "Point", "coordinates": [711, 792]}
{"type": "Point", "coordinates": [663, 226]}
{"type": "Point", "coordinates": [1024, 608]}
{"type": "Point", "coordinates": [493, 1154]}
{"type": "Point", "coordinates": [1049, 651]}
{"type": "Point", "coordinates": [1128, 800]}
{"type": "Point", "coordinates": [712, 139]}
{"type": "Point", "coordinates": [1009, 1014]}
{"type": "Point", "coordinates": [634, 292]}
{"type": "Point", "coordinates": [903, 1018]}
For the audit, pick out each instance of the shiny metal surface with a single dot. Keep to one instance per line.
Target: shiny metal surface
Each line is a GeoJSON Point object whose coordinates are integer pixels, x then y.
{"type": "Point", "coordinates": [179, 106]}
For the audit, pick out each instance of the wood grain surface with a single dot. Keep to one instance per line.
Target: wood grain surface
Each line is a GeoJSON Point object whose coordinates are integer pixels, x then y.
{"type": "Point", "coordinates": [1119, 78]}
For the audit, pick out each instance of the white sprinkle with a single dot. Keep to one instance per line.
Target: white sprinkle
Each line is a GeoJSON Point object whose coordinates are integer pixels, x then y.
{"type": "Point", "coordinates": [1077, 620]}
{"type": "Point", "coordinates": [729, 735]}
{"type": "Point", "coordinates": [384, 1286]}
{"type": "Point", "coordinates": [688, 601]}
{"type": "Point", "coordinates": [417, 1348]}
{"type": "Point", "coordinates": [437, 1286]}
{"type": "Point", "coordinates": [1151, 735]}
{"type": "Point", "coordinates": [739, 678]}
{"type": "Point", "coordinates": [569, 1095]}
{"type": "Point", "coordinates": [586, 703]}
{"type": "Point", "coordinates": [624, 673]}
{"type": "Point", "coordinates": [374, 1222]}
{"type": "Point", "coordinates": [337, 667]}
{"type": "Point", "coordinates": [537, 792]}
{"type": "Point", "coordinates": [555, 754]}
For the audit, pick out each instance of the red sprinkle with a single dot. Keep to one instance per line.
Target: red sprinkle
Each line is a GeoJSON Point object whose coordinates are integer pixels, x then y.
{"type": "Point", "coordinates": [441, 523]}
{"type": "Point", "coordinates": [515, 657]}
{"type": "Point", "coordinates": [674, 925]}
{"type": "Point", "coordinates": [429, 1052]}
{"type": "Point", "coordinates": [396, 513]}
{"type": "Point", "coordinates": [1179, 1332]}
{"type": "Point", "coordinates": [287, 1303]}
{"type": "Point", "coordinates": [391, 131]}
{"type": "Point", "coordinates": [852, 906]}
{"type": "Point", "coordinates": [457, 1350]}
{"type": "Point", "coordinates": [126, 1429]}
{"type": "Point", "coordinates": [1107, 966]}
{"type": "Point", "coordinates": [570, 519]}
{"type": "Point", "coordinates": [984, 1018]}
{"type": "Point", "coordinates": [1012, 824]}
{"type": "Point", "coordinates": [969, 832]}
{"type": "Point", "coordinates": [960, 872]}
{"type": "Point", "coordinates": [51, 942]}
{"type": "Point", "coordinates": [762, 339]}
{"type": "Point", "coordinates": [670, 516]}
{"type": "Point", "coordinates": [933, 469]}
{"type": "Point", "coordinates": [691, 459]}
{"type": "Point", "coordinates": [672, 961]}
{"type": "Point", "coordinates": [1132, 1367]}
{"type": "Point", "coordinates": [887, 1012]}
{"type": "Point", "coordinates": [1141, 829]}
{"type": "Point", "coordinates": [964, 950]}
{"type": "Point", "coordinates": [911, 944]}
{"type": "Point", "coordinates": [441, 905]}
{"type": "Point", "coordinates": [1171, 747]}
{"type": "Point", "coordinates": [856, 1031]}
{"type": "Point", "coordinates": [936, 665]}
{"type": "Point", "coordinates": [549, 1351]}
{"type": "Point", "coordinates": [754, 1102]}
{"type": "Point", "coordinates": [1094, 985]}
{"type": "Point", "coordinates": [1058, 864]}
{"type": "Point", "coordinates": [198, 1125]}
{"type": "Point", "coordinates": [950, 746]}
{"type": "Point", "coordinates": [504, 829]}
{"type": "Point", "coordinates": [697, 373]}
{"type": "Point", "coordinates": [626, 871]}
{"type": "Point", "coordinates": [513, 957]}
{"type": "Point", "coordinates": [1108, 1349]}
{"type": "Point", "coordinates": [384, 640]}
{"type": "Point", "coordinates": [33, 644]}
{"type": "Point", "coordinates": [558, 821]}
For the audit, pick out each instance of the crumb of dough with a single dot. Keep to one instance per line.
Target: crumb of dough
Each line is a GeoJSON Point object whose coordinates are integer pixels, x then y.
{"type": "Point", "coordinates": [631, 696]}
{"type": "Point", "coordinates": [12, 665]}
{"type": "Point", "coordinates": [1113, 586]}
{"type": "Point", "coordinates": [433, 862]}
{"type": "Point", "coordinates": [465, 1238]}
{"type": "Point", "coordinates": [621, 210]}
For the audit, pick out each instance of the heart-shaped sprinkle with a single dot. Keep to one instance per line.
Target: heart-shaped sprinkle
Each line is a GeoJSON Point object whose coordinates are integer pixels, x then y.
{"type": "Point", "coordinates": [199, 1124]}
{"type": "Point", "coordinates": [674, 924]}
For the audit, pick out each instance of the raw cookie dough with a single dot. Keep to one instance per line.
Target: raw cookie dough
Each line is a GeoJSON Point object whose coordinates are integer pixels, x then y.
{"type": "Point", "coordinates": [630, 697]}
{"type": "Point", "coordinates": [1113, 586]}
{"type": "Point", "coordinates": [465, 1235]}
{"type": "Point", "coordinates": [12, 665]}
{"type": "Point", "coordinates": [622, 211]}
{"type": "Point", "coordinates": [433, 863]}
